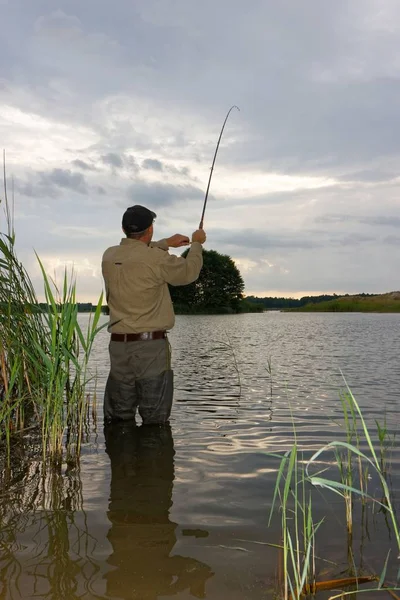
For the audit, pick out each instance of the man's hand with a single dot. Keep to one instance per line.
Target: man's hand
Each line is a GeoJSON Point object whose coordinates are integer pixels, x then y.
{"type": "Point", "coordinates": [199, 236]}
{"type": "Point", "coordinates": [178, 240]}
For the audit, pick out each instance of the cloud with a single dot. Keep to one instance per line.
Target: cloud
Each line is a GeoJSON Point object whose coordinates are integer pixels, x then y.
{"type": "Point", "coordinates": [376, 220]}
{"type": "Point", "coordinates": [153, 164]}
{"type": "Point", "coordinates": [392, 240]}
{"type": "Point", "coordinates": [52, 183]}
{"type": "Point", "coordinates": [57, 23]}
{"type": "Point", "coordinates": [162, 194]}
{"type": "Point", "coordinates": [184, 171]}
{"type": "Point", "coordinates": [290, 240]}
{"type": "Point", "coordinates": [84, 166]}
{"type": "Point", "coordinates": [65, 179]}
{"type": "Point", "coordinates": [267, 240]}
{"type": "Point", "coordinates": [373, 175]}
{"type": "Point", "coordinates": [113, 160]}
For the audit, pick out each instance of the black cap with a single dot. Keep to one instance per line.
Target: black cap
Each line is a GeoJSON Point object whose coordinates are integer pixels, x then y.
{"type": "Point", "coordinates": [137, 219]}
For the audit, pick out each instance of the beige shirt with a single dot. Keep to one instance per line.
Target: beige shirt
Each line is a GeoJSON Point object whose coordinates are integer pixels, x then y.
{"type": "Point", "coordinates": [136, 278]}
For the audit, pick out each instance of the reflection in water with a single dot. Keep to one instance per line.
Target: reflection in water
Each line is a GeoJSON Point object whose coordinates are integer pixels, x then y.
{"type": "Point", "coordinates": [142, 534]}
{"type": "Point", "coordinates": [45, 545]}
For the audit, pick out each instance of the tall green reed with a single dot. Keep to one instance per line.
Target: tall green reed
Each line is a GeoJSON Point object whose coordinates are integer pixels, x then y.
{"type": "Point", "coordinates": [299, 527]}
{"type": "Point", "coordinates": [386, 443]}
{"type": "Point", "coordinates": [64, 404]}
{"type": "Point", "coordinates": [372, 460]}
{"type": "Point", "coordinates": [44, 354]}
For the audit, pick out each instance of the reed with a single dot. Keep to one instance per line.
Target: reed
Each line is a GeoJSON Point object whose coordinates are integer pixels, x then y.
{"type": "Point", "coordinates": [344, 458]}
{"type": "Point", "coordinates": [44, 355]}
{"type": "Point", "coordinates": [269, 371]}
{"type": "Point", "coordinates": [65, 361]}
{"type": "Point", "coordinates": [297, 478]}
{"type": "Point", "coordinates": [373, 462]}
{"type": "Point", "coordinates": [298, 526]}
{"type": "Point", "coordinates": [386, 443]}
{"type": "Point", "coordinates": [229, 345]}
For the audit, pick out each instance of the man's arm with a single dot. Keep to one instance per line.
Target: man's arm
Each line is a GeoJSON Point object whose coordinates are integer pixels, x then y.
{"type": "Point", "coordinates": [175, 241]}
{"type": "Point", "coordinates": [162, 244]}
{"type": "Point", "coordinates": [177, 270]}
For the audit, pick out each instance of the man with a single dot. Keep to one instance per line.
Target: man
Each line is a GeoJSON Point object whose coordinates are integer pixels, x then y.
{"type": "Point", "coordinates": [136, 275]}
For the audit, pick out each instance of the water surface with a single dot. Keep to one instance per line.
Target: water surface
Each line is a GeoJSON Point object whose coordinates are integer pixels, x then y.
{"type": "Point", "coordinates": [183, 511]}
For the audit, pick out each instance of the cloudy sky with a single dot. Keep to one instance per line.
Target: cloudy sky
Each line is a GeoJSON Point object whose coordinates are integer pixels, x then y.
{"type": "Point", "coordinates": [105, 105]}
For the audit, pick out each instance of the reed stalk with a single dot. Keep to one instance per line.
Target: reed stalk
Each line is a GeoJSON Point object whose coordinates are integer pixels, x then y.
{"type": "Point", "coordinates": [372, 461]}
{"type": "Point", "coordinates": [44, 355]}
{"type": "Point", "coordinates": [299, 528]}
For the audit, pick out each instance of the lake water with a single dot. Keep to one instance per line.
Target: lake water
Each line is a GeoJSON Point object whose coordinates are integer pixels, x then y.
{"type": "Point", "coordinates": [183, 511]}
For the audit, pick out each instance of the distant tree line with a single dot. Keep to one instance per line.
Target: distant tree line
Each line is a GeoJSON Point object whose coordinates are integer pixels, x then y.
{"type": "Point", "coordinates": [219, 290]}
{"type": "Point", "coordinates": [361, 303]}
{"type": "Point", "coordinates": [40, 307]}
{"type": "Point", "coordinates": [83, 307]}
{"type": "Point", "coordinates": [274, 303]}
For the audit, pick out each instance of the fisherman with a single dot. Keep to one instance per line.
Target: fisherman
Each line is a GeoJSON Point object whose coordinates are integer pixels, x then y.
{"type": "Point", "coordinates": [136, 275]}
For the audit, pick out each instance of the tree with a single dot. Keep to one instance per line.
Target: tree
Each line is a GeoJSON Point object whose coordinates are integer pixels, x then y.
{"type": "Point", "coordinates": [219, 289]}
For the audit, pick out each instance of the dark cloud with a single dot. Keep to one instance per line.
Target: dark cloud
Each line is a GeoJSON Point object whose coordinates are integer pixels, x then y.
{"type": "Point", "coordinates": [281, 198]}
{"type": "Point", "coordinates": [386, 221]}
{"type": "Point", "coordinates": [351, 239]}
{"type": "Point", "coordinates": [65, 179]}
{"type": "Point", "coordinates": [376, 220]}
{"type": "Point", "coordinates": [152, 164]}
{"type": "Point", "coordinates": [335, 219]}
{"type": "Point", "coordinates": [52, 183]}
{"type": "Point", "coordinates": [84, 166]}
{"type": "Point", "coordinates": [34, 189]}
{"type": "Point", "coordinates": [113, 160]}
{"type": "Point", "coordinates": [162, 194]}
{"type": "Point", "coordinates": [392, 240]}
{"type": "Point", "coordinates": [262, 241]}
{"type": "Point", "coordinates": [184, 171]}
{"type": "Point", "coordinates": [307, 240]}
{"type": "Point", "coordinates": [119, 161]}
{"type": "Point", "coordinates": [373, 175]}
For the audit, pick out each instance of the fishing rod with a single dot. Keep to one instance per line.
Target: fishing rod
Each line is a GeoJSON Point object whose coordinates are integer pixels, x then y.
{"type": "Point", "coordinates": [213, 163]}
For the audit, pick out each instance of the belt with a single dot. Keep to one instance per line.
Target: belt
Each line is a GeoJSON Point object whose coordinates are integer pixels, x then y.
{"type": "Point", "coordinates": [138, 337]}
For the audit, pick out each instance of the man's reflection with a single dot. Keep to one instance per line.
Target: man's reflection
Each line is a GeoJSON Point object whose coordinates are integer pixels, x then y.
{"type": "Point", "coordinates": [141, 534]}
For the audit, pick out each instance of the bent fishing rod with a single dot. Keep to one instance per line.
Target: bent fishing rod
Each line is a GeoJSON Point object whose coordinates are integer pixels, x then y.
{"type": "Point", "coordinates": [213, 163]}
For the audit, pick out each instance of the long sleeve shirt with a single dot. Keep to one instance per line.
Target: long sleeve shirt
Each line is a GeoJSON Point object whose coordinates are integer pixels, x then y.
{"type": "Point", "coordinates": [136, 279]}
